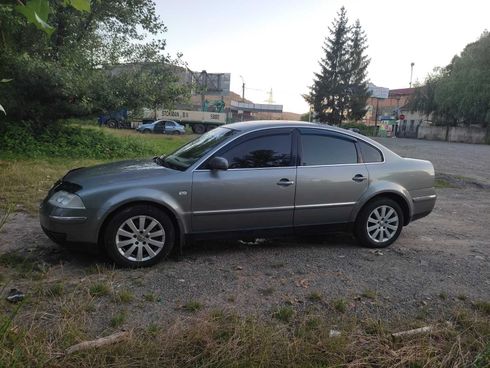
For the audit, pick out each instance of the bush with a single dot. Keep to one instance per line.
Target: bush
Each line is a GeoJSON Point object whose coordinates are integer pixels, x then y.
{"type": "Point", "coordinates": [365, 129]}
{"type": "Point", "coordinates": [61, 140]}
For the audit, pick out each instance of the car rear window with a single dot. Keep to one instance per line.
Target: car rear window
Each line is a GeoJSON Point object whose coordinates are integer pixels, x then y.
{"type": "Point", "coordinates": [370, 153]}
{"type": "Point", "coordinates": [327, 150]}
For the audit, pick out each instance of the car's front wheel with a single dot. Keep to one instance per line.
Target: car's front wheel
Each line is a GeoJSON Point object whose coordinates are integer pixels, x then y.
{"type": "Point", "coordinates": [379, 223]}
{"type": "Point", "coordinates": [139, 236]}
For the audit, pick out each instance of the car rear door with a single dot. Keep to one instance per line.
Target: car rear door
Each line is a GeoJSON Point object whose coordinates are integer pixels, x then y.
{"type": "Point", "coordinates": [330, 178]}
{"type": "Point", "coordinates": [257, 191]}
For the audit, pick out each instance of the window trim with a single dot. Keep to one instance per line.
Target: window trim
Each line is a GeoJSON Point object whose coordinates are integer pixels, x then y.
{"type": "Point", "coordinates": [326, 133]}
{"type": "Point", "coordinates": [359, 150]}
{"type": "Point", "coordinates": [252, 135]}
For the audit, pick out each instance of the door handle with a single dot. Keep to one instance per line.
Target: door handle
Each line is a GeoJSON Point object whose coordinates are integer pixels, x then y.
{"type": "Point", "coordinates": [285, 182]}
{"type": "Point", "coordinates": [359, 178]}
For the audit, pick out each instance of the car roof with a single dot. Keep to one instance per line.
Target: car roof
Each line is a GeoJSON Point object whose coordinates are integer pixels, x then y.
{"type": "Point", "coordinates": [245, 126]}
{"type": "Point", "coordinates": [261, 124]}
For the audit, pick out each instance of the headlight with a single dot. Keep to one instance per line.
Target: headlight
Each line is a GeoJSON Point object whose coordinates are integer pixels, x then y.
{"type": "Point", "coordinates": [64, 199]}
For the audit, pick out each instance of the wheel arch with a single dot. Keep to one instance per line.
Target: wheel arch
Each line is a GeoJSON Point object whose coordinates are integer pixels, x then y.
{"type": "Point", "coordinates": [179, 233]}
{"type": "Point", "coordinates": [399, 198]}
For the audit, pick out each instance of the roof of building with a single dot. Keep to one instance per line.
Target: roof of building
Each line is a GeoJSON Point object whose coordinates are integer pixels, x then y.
{"type": "Point", "coordinates": [401, 91]}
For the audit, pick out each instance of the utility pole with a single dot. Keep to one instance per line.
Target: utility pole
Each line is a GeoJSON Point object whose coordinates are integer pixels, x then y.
{"type": "Point", "coordinates": [411, 73]}
{"type": "Point", "coordinates": [243, 89]}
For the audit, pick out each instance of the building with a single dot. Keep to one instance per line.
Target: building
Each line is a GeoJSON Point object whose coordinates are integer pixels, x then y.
{"type": "Point", "coordinates": [386, 111]}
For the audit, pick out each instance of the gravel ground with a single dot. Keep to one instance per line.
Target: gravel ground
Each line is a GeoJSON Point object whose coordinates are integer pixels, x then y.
{"type": "Point", "coordinates": [439, 262]}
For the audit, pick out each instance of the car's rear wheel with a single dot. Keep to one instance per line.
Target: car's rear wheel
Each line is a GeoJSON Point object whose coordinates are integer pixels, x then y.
{"type": "Point", "coordinates": [139, 236]}
{"type": "Point", "coordinates": [379, 223]}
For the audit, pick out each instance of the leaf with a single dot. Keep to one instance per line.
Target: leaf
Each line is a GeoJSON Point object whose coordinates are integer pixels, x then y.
{"type": "Point", "coordinates": [5, 80]}
{"type": "Point", "coordinates": [80, 5]}
{"type": "Point", "coordinates": [37, 12]}
{"type": "Point", "coordinates": [2, 109]}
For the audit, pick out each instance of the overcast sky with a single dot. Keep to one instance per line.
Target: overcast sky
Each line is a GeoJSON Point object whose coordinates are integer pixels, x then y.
{"type": "Point", "coordinates": [277, 43]}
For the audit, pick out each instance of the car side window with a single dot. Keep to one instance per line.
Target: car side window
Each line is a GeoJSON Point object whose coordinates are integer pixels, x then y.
{"type": "Point", "coordinates": [169, 124]}
{"type": "Point", "coordinates": [370, 153]}
{"type": "Point", "coordinates": [321, 149]}
{"type": "Point", "coordinates": [266, 151]}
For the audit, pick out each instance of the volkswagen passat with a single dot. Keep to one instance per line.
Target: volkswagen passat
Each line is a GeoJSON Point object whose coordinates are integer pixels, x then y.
{"type": "Point", "coordinates": [251, 178]}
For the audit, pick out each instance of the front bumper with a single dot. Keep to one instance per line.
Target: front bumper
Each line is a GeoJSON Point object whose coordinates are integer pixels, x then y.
{"type": "Point", "coordinates": [67, 225]}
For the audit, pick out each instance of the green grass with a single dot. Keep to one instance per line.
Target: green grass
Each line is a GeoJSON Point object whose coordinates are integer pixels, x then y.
{"type": "Point", "coordinates": [442, 183]}
{"type": "Point", "coordinates": [99, 289]}
{"type": "Point", "coordinates": [483, 307]}
{"type": "Point", "coordinates": [192, 306]}
{"type": "Point", "coordinates": [124, 296]}
{"type": "Point", "coordinates": [34, 165]}
{"type": "Point", "coordinates": [118, 320]}
{"type": "Point", "coordinates": [315, 296]}
{"type": "Point", "coordinates": [340, 305]}
{"type": "Point", "coordinates": [369, 294]}
{"type": "Point", "coordinates": [284, 314]}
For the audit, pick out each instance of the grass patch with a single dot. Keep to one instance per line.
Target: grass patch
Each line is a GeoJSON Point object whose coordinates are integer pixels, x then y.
{"type": "Point", "coordinates": [340, 305]}
{"type": "Point", "coordinates": [192, 306]}
{"type": "Point", "coordinates": [124, 296]}
{"type": "Point", "coordinates": [99, 289]}
{"type": "Point", "coordinates": [150, 297]}
{"type": "Point", "coordinates": [34, 162]}
{"type": "Point", "coordinates": [442, 183]}
{"type": "Point", "coordinates": [56, 289]}
{"type": "Point", "coordinates": [315, 296]}
{"type": "Point", "coordinates": [483, 307]}
{"type": "Point", "coordinates": [24, 266]}
{"type": "Point", "coordinates": [118, 320]}
{"type": "Point", "coordinates": [284, 314]}
{"type": "Point", "coordinates": [369, 294]}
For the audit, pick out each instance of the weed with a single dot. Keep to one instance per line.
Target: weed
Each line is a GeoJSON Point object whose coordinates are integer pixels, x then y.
{"type": "Point", "coordinates": [267, 291]}
{"type": "Point", "coordinates": [462, 297]}
{"type": "Point", "coordinates": [150, 297]}
{"type": "Point", "coordinates": [284, 314]}
{"type": "Point", "coordinates": [99, 289]}
{"type": "Point", "coordinates": [118, 320]}
{"type": "Point", "coordinates": [340, 305]}
{"type": "Point", "coordinates": [369, 294]}
{"type": "Point", "coordinates": [442, 183]}
{"type": "Point", "coordinates": [315, 296]}
{"type": "Point", "coordinates": [124, 296]}
{"type": "Point", "coordinates": [483, 307]}
{"type": "Point", "coordinates": [192, 306]}
{"type": "Point", "coordinates": [443, 295]}
{"type": "Point", "coordinates": [56, 289]}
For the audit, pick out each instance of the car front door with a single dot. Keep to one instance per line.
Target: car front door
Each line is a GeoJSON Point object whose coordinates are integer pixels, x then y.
{"type": "Point", "coordinates": [330, 178]}
{"type": "Point", "coordinates": [159, 127]}
{"type": "Point", "coordinates": [257, 190]}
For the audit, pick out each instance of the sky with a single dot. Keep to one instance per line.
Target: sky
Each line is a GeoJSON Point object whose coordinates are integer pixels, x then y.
{"type": "Point", "coordinates": [277, 43]}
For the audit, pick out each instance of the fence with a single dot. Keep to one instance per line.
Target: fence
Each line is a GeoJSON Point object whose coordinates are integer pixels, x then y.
{"type": "Point", "coordinates": [469, 134]}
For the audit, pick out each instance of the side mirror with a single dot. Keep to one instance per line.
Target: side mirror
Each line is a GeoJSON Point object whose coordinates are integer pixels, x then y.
{"type": "Point", "coordinates": [218, 163]}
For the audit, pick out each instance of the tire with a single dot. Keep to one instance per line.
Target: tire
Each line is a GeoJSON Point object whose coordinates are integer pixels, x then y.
{"type": "Point", "coordinates": [136, 246]}
{"type": "Point", "coordinates": [382, 231]}
{"type": "Point", "coordinates": [198, 128]}
{"type": "Point", "coordinates": [111, 123]}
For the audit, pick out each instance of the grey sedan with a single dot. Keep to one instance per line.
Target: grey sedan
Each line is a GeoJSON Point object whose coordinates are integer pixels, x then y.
{"type": "Point", "coordinates": [241, 180]}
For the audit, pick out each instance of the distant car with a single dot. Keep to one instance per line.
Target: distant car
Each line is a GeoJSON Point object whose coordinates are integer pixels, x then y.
{"type": "Point", "coordinates": [244, 179]}
{"type": "Point", "coordinates": [162, 126]}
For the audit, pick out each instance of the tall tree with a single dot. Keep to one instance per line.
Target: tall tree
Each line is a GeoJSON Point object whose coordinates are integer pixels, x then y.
{"type": "Point", "coordinates": [460, 92]}
{"type": "Point", "coordinates": [358, 64]}
{"type": "Point", "coordinates": [328, 95]}
{"type": "Point", "coordinates": [60, 72]}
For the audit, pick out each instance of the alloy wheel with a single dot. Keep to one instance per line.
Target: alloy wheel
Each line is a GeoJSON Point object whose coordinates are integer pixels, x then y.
{"type": "Point", "coordinates": [140, 238]}
{"type": "Point", "coordinates": [382, 224]}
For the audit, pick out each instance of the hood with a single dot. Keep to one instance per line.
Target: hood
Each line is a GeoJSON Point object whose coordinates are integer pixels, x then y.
{"type": "Point", "coordinates": [117, 172]}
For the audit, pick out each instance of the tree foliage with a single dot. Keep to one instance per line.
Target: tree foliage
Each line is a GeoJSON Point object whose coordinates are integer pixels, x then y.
{"type": "Point", "coordinates": [460, 92]}
{"type": "Point", "coordinates": [67, 70]}
{"type": "Point", "coordinates": [340, 88]}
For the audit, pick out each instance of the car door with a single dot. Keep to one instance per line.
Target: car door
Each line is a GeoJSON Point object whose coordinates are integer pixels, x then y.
{"type": "Point", "coordinates": [257, 190]}
{"type": "Point", "coordinates": [159, 127]}
{"type": "Point", "coordinates": [169, 127]}
{"type": "Point", "coordinates": [330, 178]}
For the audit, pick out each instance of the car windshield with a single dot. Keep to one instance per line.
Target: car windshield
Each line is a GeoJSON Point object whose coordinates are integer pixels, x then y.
{"type": "Point", "coordinates": [190, 153]}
